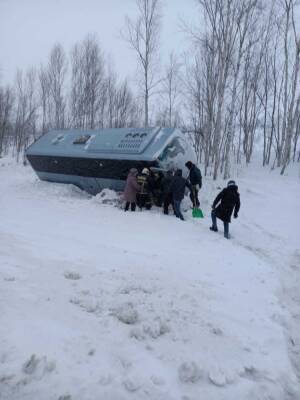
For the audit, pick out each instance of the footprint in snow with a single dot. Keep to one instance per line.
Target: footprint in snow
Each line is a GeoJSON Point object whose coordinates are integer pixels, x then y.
{"type": "Point", "coordinates": [9, 278]}
{"type": "Point", "coordinates": [217, 377]}
{"type": "Point", "coordinates": [156, 328]}
{"type": "Point", "coordinates": [91, 352]}
{"type": "Point", "coordinates": [217, 331]}
{"type": "Point", "coordinates": [132, 385]}
{"type": "Point", "coordinates": [38, 366]}
{"type": "Point", "coordinates": [251, 373]}
{"type": "Point", "coordinates": [105, 380]}
{"type": "Point", "coordinates": [189, 372]}
{"type": "Point", "coordinates": [88, 305]}
{"type": "Point", "coordinates": [6, 378]}
{"type": "Point", "coordinates": [126, 313]}
{"type": "Point", "coordinates": [157, 380]}
{"type": "Point", "coordinates": [72, 275]}
{"type": "Point", "coordinates": [30, 365]}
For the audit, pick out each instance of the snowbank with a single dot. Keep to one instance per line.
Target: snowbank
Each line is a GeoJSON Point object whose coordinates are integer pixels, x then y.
{"type": "Point", "coordinates": [98, 303]}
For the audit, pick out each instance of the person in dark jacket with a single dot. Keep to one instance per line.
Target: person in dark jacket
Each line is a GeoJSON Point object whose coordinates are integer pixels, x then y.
{"type": "Point", "coordinates": [145, 195]}
{"type": "Point", "coordinates": [156, 181]}
{"type": "Point", "coordinates": [227, 201]}
{"type": "Point", "coordinates": [131, 189]}
{"type": "Point", "coordinates": [167, 194]}
{"type": "Point", "coordinates": [177, 188]}
{"type": "Point", "coordinates": [195, 179]}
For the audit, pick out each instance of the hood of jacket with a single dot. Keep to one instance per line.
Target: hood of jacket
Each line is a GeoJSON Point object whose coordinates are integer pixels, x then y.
{"type": "Point", "coordinates": [233, 188]}
{"type": "Point", "coordinates": [133, 172]}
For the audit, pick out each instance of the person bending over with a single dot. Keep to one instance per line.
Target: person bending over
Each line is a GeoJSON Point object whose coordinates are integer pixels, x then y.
{"type": "Point", "coordinates": [226, 201]}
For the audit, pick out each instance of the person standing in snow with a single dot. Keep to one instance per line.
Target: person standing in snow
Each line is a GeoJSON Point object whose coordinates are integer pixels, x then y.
{"type": "Point", "coordinates": [131, 189]}
{"type": "Point", "coordinates": [229, 199]}
{"type": "Point", "coordinates": [156, 181]}
{"type": "Point", "coordinates": [195, 179]}
{"type": "Point", "coordinates": [167, 194]}
{"type": "Point", "coordinates": [144, 197]}
{"type": "Point", "coordinates": [177, 188]}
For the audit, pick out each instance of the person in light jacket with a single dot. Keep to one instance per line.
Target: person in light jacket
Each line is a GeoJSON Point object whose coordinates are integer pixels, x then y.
{"type": "Point", "coordinates": [131, 189]}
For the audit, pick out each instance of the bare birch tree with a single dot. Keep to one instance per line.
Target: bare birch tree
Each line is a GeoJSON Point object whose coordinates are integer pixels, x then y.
{"type": "Point", "coordinates": [88, 86]}
{"type": "Point", "coordinates": [246, 20]}
{"type": "Point", "coordinates": [44, 97]}
{"type": "Point", "coordinates": [26, 110]}
{"type": "Point", "coordinates": [171, 89]}
{"type": "Point", "coordinates": [240, 89]}
{"type": "Point", "coordinates": [142, 35]}
{"type": "Point", "coordinates": [120, 102]}
{"type": "Point", "coordinates": [194, 88]}
{"type": "Point", "coordinates": [57, 69]}
{"type": "Point", "coordinates": [291, 105]}
{"type": "Point", "coordinates": [221, 23]}
{"type": "Point", "coordinates": [125, 106]}
{"type": "Point", "coordinates": [6, 107]}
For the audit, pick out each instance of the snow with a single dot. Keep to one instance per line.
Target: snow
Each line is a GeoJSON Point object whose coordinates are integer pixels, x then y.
{"type": "Point", "coordinates": [97, 303]}
{"type": "Point", "coordinates": [89, 141]}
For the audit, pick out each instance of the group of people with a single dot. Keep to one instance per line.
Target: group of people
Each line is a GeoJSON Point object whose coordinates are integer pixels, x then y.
{"type": "Point", "coordinates": [147, 188]}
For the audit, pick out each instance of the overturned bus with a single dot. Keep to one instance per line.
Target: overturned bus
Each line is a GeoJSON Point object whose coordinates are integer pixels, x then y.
{"type": "Point", "coordinates": [98, 159]}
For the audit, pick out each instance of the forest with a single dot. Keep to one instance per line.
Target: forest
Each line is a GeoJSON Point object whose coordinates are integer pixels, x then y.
{"type": "Point", "coordinates": [235, 88]}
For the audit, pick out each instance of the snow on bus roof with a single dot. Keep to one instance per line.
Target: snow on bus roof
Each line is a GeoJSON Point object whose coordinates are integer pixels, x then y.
{"type": "Point", "coordinates": [119, 142]}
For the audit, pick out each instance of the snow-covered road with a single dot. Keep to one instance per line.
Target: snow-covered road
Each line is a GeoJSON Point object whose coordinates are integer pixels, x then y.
{"type": "Point", "coordinates": [100, 304]}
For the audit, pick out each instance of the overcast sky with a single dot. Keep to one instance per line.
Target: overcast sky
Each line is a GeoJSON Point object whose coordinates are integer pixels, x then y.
{"type": "Point", "coordinates": [29, 29]}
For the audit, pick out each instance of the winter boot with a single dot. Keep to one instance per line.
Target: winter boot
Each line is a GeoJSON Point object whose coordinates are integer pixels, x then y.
{"type": "Point", "coordinates": [214, 228]}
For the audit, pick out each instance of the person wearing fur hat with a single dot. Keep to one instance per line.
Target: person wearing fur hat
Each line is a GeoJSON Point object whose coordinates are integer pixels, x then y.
{"type": "Point", "coordinates": [227, 201]}
{"type": "Point", "coordinates": [131, 189]}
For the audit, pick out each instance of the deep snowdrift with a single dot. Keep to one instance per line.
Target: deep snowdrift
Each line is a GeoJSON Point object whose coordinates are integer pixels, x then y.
{"type": "Point", "coordinates": [101, 304]}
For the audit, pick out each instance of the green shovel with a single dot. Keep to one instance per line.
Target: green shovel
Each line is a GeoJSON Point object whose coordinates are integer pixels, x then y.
{"type": "Point", "coordinates": [197, 213]}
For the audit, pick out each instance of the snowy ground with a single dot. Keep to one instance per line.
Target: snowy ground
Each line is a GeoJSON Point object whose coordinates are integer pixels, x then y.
{"type": "Point", "coordinates": [99, 304]}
